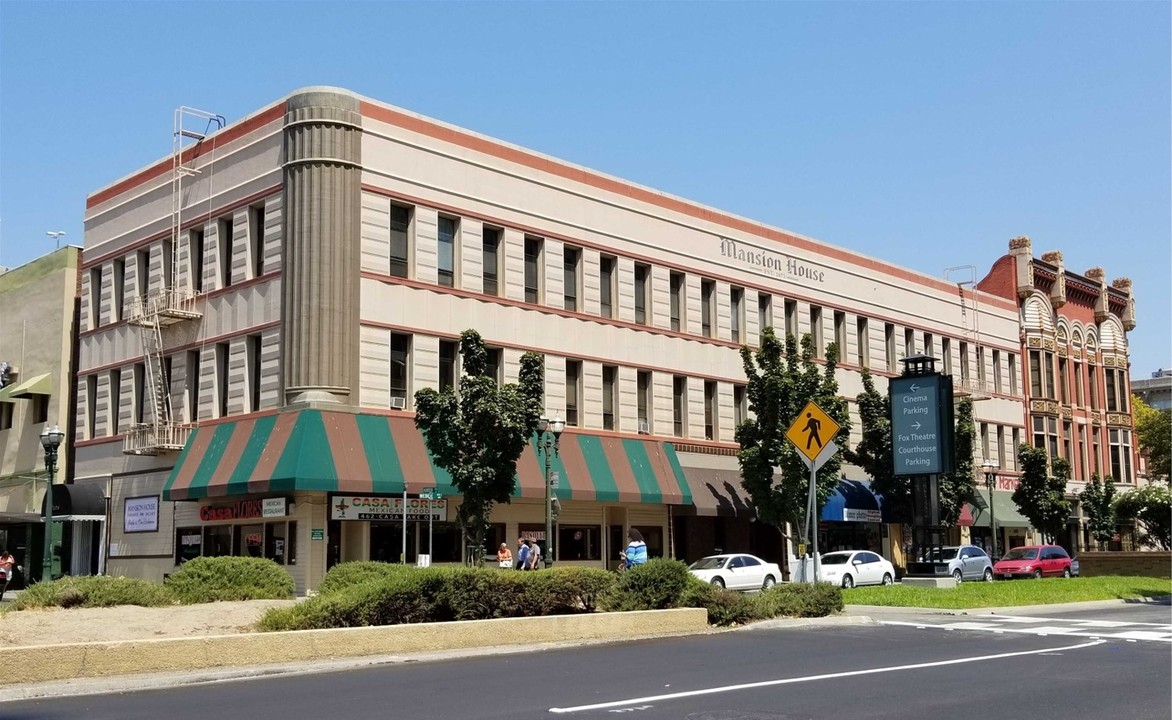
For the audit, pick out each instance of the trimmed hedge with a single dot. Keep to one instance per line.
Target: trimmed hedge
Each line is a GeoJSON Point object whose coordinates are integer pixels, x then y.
{"type": "Point", "coordinates": [209, 579]}
{"type": "Point", "coordinates": [93, 591]}
{"type": "Point", "coordinates": [655, 585]}
{"type": "Point", "coordinates": [347, 574]}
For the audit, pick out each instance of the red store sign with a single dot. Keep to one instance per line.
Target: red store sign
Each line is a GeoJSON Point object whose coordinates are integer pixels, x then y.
{"type": "Point", "coordinates": [244, 510]}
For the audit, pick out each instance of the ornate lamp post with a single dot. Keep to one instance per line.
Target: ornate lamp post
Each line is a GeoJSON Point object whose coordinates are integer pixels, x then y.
{"type": "Point", "coordinates": [549, 435]}
{"type": "Point", "coordinates": [51, 440]}
{"type": "Point", "coordinates": [990, 468]}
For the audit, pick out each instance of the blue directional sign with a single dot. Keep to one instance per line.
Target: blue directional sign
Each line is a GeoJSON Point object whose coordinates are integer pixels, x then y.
{"type": "Point", "coordinates": [921, 424]}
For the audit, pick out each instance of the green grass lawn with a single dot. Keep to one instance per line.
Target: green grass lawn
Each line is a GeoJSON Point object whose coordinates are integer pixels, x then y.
{"type": "Point", "coordinates": [1011, 592]}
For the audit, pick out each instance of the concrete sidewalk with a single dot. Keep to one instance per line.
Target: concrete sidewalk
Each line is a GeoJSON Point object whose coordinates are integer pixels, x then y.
{"type": "Point", "coordinates": [873, 610]}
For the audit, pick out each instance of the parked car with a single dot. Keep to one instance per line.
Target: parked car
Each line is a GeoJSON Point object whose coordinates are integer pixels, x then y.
{"type": "Point", "coordinates": [856, 567]}
{"type": "Point", "coordinates": [966, 562]}
{"type": "Point", "coordinates": [1034, 561]}
{"type": "Point", "coordinates": [737, 571]}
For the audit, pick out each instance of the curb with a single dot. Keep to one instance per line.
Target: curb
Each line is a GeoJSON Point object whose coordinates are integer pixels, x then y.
{"type": "Point", "coordinates": [1007, 609]}
{"type": "Point", "coordinates": [829, 621]}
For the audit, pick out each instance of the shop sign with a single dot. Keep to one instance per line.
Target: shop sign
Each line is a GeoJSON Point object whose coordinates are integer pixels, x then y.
{"type": "Point", "coordinates": [141, 514]}
{"type": "Point", "coordinates": [766, 262]}
{"type": "Point", "coordinates": [243, 510]}
{"type": "Point", "coordinates": [855, 515]}
{"type": "Point", "coordinates": [364, 507]}
{"type": "Point", "coordinates": [317, 534]}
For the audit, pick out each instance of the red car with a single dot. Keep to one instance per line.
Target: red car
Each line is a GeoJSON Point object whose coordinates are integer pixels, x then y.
{"type": "Point", "coordinates": [1033, 561]}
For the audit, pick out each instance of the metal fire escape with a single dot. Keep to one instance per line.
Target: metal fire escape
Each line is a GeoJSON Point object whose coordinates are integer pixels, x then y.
{"type": "Point", "coordinates": [970, 321]}
{"type": "Point", "coordinates": [173, 302]}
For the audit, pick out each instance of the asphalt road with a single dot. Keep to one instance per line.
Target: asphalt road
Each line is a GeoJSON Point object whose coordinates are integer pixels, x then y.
{"type": "Point", "coordinates": [860, 671]}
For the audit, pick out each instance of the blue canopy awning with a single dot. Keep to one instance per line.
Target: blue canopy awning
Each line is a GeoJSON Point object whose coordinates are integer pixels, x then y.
{"type": "Point", "coordinates": [853, 502]}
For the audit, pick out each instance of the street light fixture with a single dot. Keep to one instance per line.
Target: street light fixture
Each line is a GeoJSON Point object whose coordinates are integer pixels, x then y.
{"type": "Point", "coordinates": [56, 235]}
{"type": "Point", "coordinates": [990, 468]}
{"type": "Point", "coordinates": [51, 440]}
{"type": "Point", "coordinates": [549, 435]}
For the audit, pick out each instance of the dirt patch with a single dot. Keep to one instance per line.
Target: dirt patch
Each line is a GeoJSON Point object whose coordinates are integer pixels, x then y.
{"type": "Point", "coordinates": [130, 622]}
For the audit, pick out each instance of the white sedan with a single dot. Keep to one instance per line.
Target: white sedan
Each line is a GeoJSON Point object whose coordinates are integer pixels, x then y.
{"type": "Point", "coordinates": [736, 572]}
{"type": "Point", "coordinates": [856, 567]}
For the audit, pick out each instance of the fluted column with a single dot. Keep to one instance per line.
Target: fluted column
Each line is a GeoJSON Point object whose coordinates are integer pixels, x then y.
{"type": "Point", "coordinates": [320, 302]}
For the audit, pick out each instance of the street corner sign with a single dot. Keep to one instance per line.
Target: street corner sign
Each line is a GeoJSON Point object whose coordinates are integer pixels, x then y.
{"type": "Point", "coordinates": [812, 430]}
{"type": "Point", "coordinates": [921, 424]}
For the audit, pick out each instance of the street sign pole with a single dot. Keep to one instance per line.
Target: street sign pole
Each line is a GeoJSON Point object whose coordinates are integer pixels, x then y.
{"type": "Point", "coordinates": [812, 434]}
{"type": "Point", "coordinates": [403, 555]}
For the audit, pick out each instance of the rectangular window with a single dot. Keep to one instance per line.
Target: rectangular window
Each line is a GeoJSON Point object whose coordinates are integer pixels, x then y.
{"type": "Point", "coordinates": [579, 542]}
{"type": "Point", "coordinates": [1035, 373]}
{"type": "Point", "coordinates": [1112, 396]}
{"type": "Point", "coordinates": [929, 346]}
{"type": "Point", "coordinates": [679, 403]}
{"type": "Point", "coordinates": [791, 317]}
{"type": "Point", "coordinates": [533, 248]}
{"type": "Point", "coordinates": [115, 400]}
{"type": "Point", "coordinates": [840, 332]}
{"type": "Point", "coordinates": [571, 265]}
{"type": "Point", "coordinates": [222, 350]}
{"type": "Point", "coordinates": [1001, 446]}
{"type": "Point", "coordinates": [195, 258]}
{"type": "Point", "coordinates": [678, 285]}
{"type": "Point", "coordinates": [1082, 451]}
{"type": "Point", "coordinates": [1097, 451]}
{"type": "Point", "coordinates": [96, 295]}
{"type": "Point", "coordinates": [253, 349]}
{"type": "Point", "coordinates": [964, 361]}
{"type": "Point", "coordinates": [40, 409]}
{"type": "Point", "coordinates": [491, 257]}
{"type": "Point", "coordinates": [1093, 384]}
{"type": "Point", "coordinates": [1016, 444]}
{"type": "Point", "coordinates": [1068, 442]}
{"type": "Point", "coordinates": [764, 311]}
{"type": "Point", "coordinates": [140, 393]}
{"type": "Point", "coordinates": [642, 275]}
{"type": "Point", "coordinates": [1048, 372]}
{"type": "Point", "coordinates": [191, 385]}
{"type": "Point", "coordinates": [1076, 380]}
{"type": "Point", "coordinates": [400, 231]}
{"type": "Point", "coordinates": [737, 302]}
{"type": "Point", "coordinates": [710, 410]}
{"type": "Point", "coordinates": [446, 251]}
{"type": "Point", "coordinates": [1121, 390]}
{"type": "Point", "coordinates": [573, 391]}
{"type": "Point", "coordinates": [984, 440]}
{"type": "Point", "coordinates": [981, 367]}
{"type": "Point", "coordinates": [256, 238]}
{"type": "Point", "coordinates": [707, 309]}
{"type": "Point", "coordinates": [168, 363]}
{"type": "Point", "coordinates": [224, 247]}
{"type": "Point", "coordinates": [188, 544]}
{"type": "Point", "coordinates": [91, 406]}
{"type": "Point", "coordinates": [6, 414]}
{"type": "Point", "coordinates": [400, 357]}
{"type": "Point", "coordinates": [1046, 434]}
{"type": "Point", "coordinates": [168, 265]}
{"type": "Point", "coordinates": [448, 349]}
{"type": "Point", "coordinates": [816, 330]}
{"type": "Point", "coordinates": [946, 353]}
{"type": "Point", "coordinates": [606, 289]}
{"type": "Point", "coordinates": [119, 287]}
{"type": "Point", "coordinates": [740, 405]}
{"type": "Point", "coordinates": [909, 342]}
{"type": "Point", "coordinates": [889, 345]}
{"type": "Point", "coordinates": [1013, 374]}
{"type": "Point", "coordinates": [495, 365]}
{"type": "Point", "coordinates": [609, 389]}
{"type": "Point", "coordinates": [997, 371]}
{"type": "Point", "coordinates": [863, 343]}
{"type": "Point", "coordinates": [644, 400]}
{"type": "Point", "coordinates": [1062, 397]}
{"type": "Point", "coordinates": [1121, 456]}
{"type": "Point", "coordinates": [142, 272]}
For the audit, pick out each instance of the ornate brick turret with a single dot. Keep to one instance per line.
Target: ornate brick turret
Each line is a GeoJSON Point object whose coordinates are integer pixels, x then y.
{"type": "Point", "coordinates": [1124, 284]}
{"type": "Point", "coordinates": [1021, 250]}
{"type": "Point", "coordinates": [1102, 309]}
{"type": "Point", "coordinates": [1058, 289]}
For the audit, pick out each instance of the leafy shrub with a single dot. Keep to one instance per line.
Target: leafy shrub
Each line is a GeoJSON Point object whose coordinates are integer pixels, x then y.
{"type": "Point", "coordinates": [655, 585]}
{"type": "Point", "coordinates": [725, 607]}
{"type": "Point", "coordinates": [574, 589]}
{"type": "Point", "coordinates": [93, 591]}
{"type": "Point", "coordinates": [798, 600]}
{"type": "Point", "coordinates": [398, 598]}
{"type": "Point", "coordinates": [347, 574]}
{"type": "Point", "coordinates": [208, 579]}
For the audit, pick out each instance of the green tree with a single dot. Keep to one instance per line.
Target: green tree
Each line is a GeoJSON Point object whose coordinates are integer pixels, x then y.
{"type": "Point", "coordinates": [781, 379]}
{"type": "Point", "coordinates": [873, 456]}
{"type": "Point", "coordinates": [1153, 430]}
{"type": "Point", "coordinates": [1040, 494]}
{"type": "Point", "coordinates": [1098, 500]}
{"type": "Point", "coordinates": [1151, 507]}
{"type": "Point", "coordinates": [478, 434]}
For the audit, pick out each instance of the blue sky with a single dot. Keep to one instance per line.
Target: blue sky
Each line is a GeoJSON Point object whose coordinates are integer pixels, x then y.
{"type": "Point", "coordinates": [926, 134]}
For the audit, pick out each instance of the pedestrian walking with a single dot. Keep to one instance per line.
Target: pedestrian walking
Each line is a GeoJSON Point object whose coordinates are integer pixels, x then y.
{"type": "Point", "coordinates": [636, 552]}
{"type": "Point", "coordinates": [534, 555]}
{"type": "Point", "coordinates": [504, 556]}
{"type": "Point", "coordinates": [522, 554]}
{"type": "Point", "coordinates": [7, 566]}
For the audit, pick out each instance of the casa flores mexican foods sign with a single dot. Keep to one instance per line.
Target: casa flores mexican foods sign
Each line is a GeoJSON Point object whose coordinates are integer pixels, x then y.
{"type": "Point", "coordinates": [769, 263]}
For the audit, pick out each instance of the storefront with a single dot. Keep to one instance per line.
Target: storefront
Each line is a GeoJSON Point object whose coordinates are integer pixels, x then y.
{"type": "Point", "coordinates": [852, 519]}
{"type": "Point", "coordinates": [1013, 529]}
{"type": "Point", "coordinates": [259, 527]}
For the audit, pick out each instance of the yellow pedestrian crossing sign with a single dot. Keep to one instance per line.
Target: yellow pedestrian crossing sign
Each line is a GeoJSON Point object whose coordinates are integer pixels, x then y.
{"type": "Point", "coordinates": [811, 430]}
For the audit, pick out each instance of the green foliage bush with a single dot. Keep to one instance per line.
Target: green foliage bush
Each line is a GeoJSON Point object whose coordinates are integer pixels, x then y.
{"type": "Point", "coordinates": [93, 591]}
{"type": "Point", "coordinates": [655, 585]}
{"type": "Point", "coordinates": [347, 574]}
{"type": "Point", "coordinates": [208, 579]}
{"type": "Point", "coordinates": [798, 600]}
{"type": "Point", "coordinates": [725, 607]}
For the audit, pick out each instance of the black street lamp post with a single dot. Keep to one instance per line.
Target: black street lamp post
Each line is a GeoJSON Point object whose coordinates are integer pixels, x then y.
{"type": "Point", "coordinates": [51, 440]}
{"type": "Point", "coordinates": [549, 435]}
{"type": "Point", "coordinates": [991, 469]}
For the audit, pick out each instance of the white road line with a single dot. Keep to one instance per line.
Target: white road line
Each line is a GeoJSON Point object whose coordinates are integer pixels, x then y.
{"type": "Point", "coordinates": [1084, 622]}
{"type": "Point", "coordinates": [996, 627]}
{"type": "Point", "coordinates": [813, 678]}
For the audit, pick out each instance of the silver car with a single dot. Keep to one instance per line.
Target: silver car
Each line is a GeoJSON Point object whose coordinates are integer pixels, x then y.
{"type": "Point", "coordinates": [966, 562]}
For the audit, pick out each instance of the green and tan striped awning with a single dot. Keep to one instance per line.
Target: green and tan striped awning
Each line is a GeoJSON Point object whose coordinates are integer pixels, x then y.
{"type": "Point", "coordinates": [315, 450]}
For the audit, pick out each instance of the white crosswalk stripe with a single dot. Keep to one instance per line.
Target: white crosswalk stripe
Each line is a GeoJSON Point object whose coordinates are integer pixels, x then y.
{"type": "Point", "coordinates": [1101, 629]}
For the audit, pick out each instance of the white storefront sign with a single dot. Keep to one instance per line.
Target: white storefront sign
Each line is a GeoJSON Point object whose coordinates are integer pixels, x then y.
{"type": "Point", "coordinates": [141, 514]}
{"type": "Point", "coordinates": [364, 507]}
{"type": "Point", "coordinates": [855, 515]}
{"type": "Point", "coordinates": [274, 507]}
